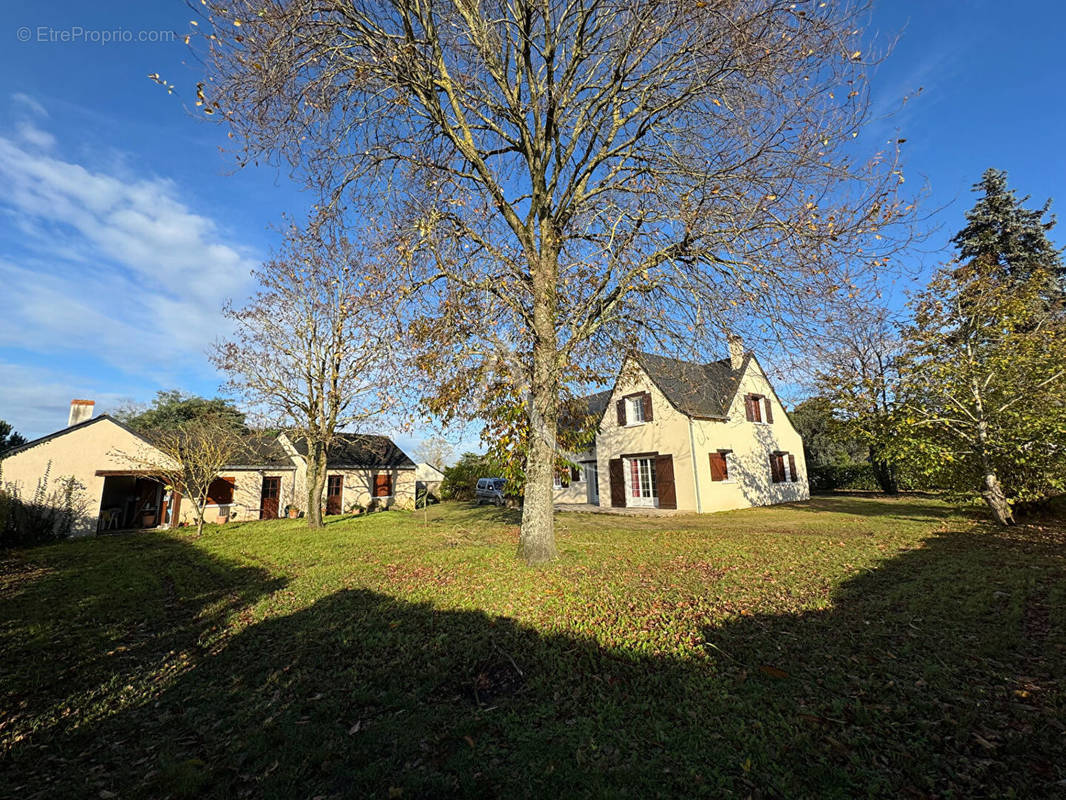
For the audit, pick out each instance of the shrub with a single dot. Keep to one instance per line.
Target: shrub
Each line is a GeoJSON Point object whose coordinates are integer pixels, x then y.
{"type": "Point", "coordinates": [828, 477]}
{"type": "Point", "coordinates": [460, 479]}
{"type": "Point", "coordinates": [48, 515]}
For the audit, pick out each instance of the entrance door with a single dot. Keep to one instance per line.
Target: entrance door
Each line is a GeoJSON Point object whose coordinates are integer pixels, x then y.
{"type": "Point", "coordinates": [268, 500]}
{"type": "Point", "coordinates": [334, 491]}
{"type": "Point", "coordinates": [592, 483]}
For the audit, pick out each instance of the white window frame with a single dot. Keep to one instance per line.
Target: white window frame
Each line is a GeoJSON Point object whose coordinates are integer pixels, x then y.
{"type": "Point", "coordinates": [635, 410]}
{"type": "Point", "coordinates": [645, 468]}
{"type": "Point", "coordinates": [729, 463]}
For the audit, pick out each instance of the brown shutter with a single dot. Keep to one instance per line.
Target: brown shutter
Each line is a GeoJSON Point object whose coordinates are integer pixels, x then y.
{"type": "Point", "coordinates": [647, 406]}
{"type": "Point", "coordinates": [575, 473]}
{"type": "Point", "coordinates": [769, 411]}
{"type": "Point", "coordinates": [618, 484]}
{"type": "Point", "coordinates": [749, 415]}
{"type": "Point", "coordinates": [792, 468]}
{"type": "Point", "coordinates": [717, 466]}
{"type": "Point", "coordinates": [664, 481]}
{"type": "Point", "coordinates": [620, 407]}
{"type": "Point", "coordinates": [776, 468]}
{"type": "Point", "coordinates": [382, 484]}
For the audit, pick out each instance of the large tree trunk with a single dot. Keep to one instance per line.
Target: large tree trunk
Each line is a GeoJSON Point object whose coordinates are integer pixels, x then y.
{"type": "Point", "coordinates": [316, 482]}
{"type": "Point", "coordinates": [883, 472]}
{"type": "Point", "coordinates": [536, 543]}
{"type": "Point", "coordinates": [997, 499]}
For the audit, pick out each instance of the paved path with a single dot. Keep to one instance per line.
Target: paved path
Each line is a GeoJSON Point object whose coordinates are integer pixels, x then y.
{"type": "Point", "coordinates": [588, 508]}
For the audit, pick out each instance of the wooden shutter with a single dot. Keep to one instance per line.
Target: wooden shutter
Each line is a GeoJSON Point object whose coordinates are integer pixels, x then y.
{"type": "Point", "coordinates": [220, 492]}
{"type": "Point", "coordinates": [646, 400]}
{"type": "Point", "coordinates": [620, 407]}
{"type": "Point", "coordinates": [748, 413]}
{"type": "Point", "coordinates": [776, 468]}
{"type": "Point", "coordinates": [382, 484]}
{"type": "Point", "coordinates": [618, 484]}
{"type": "Point", "coordinates": [719, 468]}
{"type": "Point", "coordinates": [664, 481]}
{"type": "Point", "coordinates": [575, 473]}
{"type": "Point", "coordinates": [769, 411]}
{"type": "Point", "coordinates": [792, 468]}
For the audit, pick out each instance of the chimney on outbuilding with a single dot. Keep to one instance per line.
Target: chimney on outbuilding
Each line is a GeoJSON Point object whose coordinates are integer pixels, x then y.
{"type": "Point", "coordinates": [80, 410]}
{"type": "Point", "coordinates": [736, 351]}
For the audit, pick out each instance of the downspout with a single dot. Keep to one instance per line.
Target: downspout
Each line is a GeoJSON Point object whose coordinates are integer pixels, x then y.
{"type": "Point", "coordinates": [695, 468]}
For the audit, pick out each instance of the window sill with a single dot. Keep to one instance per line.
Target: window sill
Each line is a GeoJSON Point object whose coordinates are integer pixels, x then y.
{"type": "Point", "coordinates": [635, 424]}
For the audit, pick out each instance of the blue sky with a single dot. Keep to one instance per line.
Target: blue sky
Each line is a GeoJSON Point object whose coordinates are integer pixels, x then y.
{"type": "Point", "coordinates": [123, 227]}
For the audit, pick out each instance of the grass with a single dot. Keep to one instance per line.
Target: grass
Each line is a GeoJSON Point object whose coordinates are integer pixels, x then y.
{"type": "Point", "coordinates": [849, 646]}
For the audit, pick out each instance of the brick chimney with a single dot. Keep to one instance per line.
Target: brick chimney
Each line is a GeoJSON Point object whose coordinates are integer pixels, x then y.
{"type": "Point", "coordinates": [736, 351]}
{"type": "Point", "coordinates": [80, 411]}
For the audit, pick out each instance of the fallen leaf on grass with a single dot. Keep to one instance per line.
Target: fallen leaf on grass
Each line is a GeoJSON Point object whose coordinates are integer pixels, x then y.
{"type": "Point", "coordinates": [773, 672]}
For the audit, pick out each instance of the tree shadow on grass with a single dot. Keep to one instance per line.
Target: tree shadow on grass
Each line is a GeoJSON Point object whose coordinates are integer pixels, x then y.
{"type": "Point", "coordinates": [91, 625]}
{"type": "Point", "coordinates": [903, 506]}
{"type": "Point", "coordinates": [937, 673]}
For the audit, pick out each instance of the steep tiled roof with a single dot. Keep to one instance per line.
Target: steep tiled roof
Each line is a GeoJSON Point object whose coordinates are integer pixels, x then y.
{"type": "Point", "coordinates": [699, 390]}
{"type": "Point", "coordinates": [362, 451]}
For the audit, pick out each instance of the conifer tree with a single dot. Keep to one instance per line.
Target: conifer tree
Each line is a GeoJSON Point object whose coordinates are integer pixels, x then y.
{"type": "Point", "coordinates": [1010, 238]}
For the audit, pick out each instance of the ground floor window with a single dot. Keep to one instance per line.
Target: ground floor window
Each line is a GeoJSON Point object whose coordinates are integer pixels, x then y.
{"type": "Point", "coordinates": [642, 477]}
{"type": "Point", "coordinates": [783, 468]}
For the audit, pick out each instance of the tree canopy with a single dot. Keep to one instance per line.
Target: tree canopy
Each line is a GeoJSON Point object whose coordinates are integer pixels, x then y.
{"type": "Point", "coordinates": [172, 408]}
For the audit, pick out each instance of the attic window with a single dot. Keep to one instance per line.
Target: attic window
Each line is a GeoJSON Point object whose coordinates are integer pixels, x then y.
{"type": "Point", "coordinates": [757, 408]}
{"type": "Point", "coordinates": [634, 409]}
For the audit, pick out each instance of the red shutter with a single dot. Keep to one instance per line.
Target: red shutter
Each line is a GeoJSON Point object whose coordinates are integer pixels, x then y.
{"type": "Point", "coordinates": [382, 484]}
{"type": "Point", "coordinates": [749, 415]}
{"type": "Point", "coordinates": [620, 407]}
{"type": "Point", "coordinates": [647, 406]}
{"type": "Point", "coordinates": [769, 410]}
{"type": "Point", "coordinates": [792, 468]}
{"type": "Point", "coordinates": [718, 466]}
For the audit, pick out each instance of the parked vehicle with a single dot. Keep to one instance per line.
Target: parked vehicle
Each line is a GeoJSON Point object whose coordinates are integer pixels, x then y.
{"type": "Point", "coordinates": [490, 490]}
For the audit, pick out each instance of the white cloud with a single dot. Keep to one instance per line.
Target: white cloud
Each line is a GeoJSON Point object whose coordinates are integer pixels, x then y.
{"type": "Point", "coordinates": [34, 136]}
{"type": "Point", "coordinates": [25, 102]}
{"type": "Point", "coordinates": [114, 266]}
{"type": "Point", "coordinates": [36, 401]}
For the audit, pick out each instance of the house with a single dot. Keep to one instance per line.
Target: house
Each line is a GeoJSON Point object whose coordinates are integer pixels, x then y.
{"type": "Point", "coordinates": [428, 479]}
{"type": "Point", "coordinates": [106, 460]}
{"type": "Point", "coordinates": [693, 437]}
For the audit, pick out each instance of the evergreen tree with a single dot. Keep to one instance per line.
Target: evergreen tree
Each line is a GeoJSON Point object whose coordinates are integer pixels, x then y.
{"type": "Point", "coordinates": [1009, 238]}
{"type": "Point", "coordinates": [8, 437]}
{"type": "Point", "coordinates": [172, 408]}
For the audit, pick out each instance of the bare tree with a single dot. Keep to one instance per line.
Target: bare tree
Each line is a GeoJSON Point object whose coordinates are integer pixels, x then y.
{"type": "Point", "coordinates": [855, 362]}
{"type": "Point", "coordinates": [310, 352]}
{"type": "Point", "coordinates": [567, 178]}
{"type": "Point", "coordinates": [193, 454]}
{"type": "Point", "coordinates": [435, 450]}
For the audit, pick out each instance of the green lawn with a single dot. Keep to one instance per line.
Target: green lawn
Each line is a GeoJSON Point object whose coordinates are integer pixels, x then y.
{"type": "Point", "coordinates": [844, 647]}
